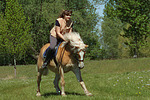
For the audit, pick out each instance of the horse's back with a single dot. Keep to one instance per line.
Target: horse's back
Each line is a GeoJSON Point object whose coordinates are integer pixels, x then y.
{"type": "Point", "coordinates": [63, 57]}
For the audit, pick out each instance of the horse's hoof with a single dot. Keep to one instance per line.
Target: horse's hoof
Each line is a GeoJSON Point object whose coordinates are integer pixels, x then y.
{"type": "Point", "coordinates": [59, 92]}
{"type": "Point", "coordinates": [63, 95]}
{"type": "Point", "coordinates": [38, 94]}
{"type": "Point", "coordinates": [89, 94]}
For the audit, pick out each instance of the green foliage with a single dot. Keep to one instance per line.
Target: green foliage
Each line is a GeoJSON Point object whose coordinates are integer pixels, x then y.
{"type": "Point", "coordinates": [3, 31]}
{"type": "Point", "coordinates": [16, 37]}
{"type": "Point", "coordinates": [43, 14]}
{"type": "Point", "coordinates": [145, 50]}
{"type": "Point", "coordinates": [134, 12]}
{"type": "Point", "coordinates": [124, 50]}
{"type": "Point", "coordinates": [94, 51]}
{"type": "Point", "coordinates": [2, 5]}
{"type": "Point", "coordinates": [85, 21]}
{"type": "Point", "coordinates": [111, 31]}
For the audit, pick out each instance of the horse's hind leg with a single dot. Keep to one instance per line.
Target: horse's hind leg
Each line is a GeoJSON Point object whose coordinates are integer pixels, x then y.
{"type": "Point", "coordinates": [38, 82]}
{"type": "Point", "coordinates": [56, 81]}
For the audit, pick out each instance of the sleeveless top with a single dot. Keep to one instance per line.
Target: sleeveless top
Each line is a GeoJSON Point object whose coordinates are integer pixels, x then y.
{"type": "Point", "coordinates": [65, 27]}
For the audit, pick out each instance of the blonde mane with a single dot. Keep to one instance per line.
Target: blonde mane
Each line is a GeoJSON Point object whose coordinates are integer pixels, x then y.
{"type": "Point", "coordinates": [74, 39]}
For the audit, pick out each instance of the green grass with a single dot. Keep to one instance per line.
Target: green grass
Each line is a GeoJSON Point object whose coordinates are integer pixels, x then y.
{"type": "Point", "coordinates": [125, 79]}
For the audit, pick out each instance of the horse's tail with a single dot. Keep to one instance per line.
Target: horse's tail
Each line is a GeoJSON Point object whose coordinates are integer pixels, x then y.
{"type": "Point", "coordinates": [40, 61]}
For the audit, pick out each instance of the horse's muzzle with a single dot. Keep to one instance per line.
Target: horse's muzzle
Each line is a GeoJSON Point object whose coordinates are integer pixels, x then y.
{"type": "Point", "coordinates": [81, 65]}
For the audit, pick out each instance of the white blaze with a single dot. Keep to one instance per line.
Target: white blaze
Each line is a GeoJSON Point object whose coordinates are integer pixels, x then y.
{"type": "Point", "coordinates": [81, 55]}
{"type": "Point", "coordinates": [81, 64]}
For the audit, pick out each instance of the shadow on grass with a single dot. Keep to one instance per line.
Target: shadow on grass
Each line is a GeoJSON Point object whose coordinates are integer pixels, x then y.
{"type": "Point", "coordinates": [67, 93]}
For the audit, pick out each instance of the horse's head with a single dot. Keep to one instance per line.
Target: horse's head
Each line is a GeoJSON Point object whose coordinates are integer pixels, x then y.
{"type": "Point", "coordinates": [80, 52]}
{"type": "Point", "coordinates": [77, 47]}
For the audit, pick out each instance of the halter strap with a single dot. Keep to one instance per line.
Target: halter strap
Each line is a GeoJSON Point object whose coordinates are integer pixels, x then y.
{"type": "Point", "coordinates": [80, 60]}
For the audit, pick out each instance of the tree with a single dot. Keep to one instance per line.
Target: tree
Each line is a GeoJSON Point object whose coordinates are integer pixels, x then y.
{"type": "Point", "coordinates": [135, 13]}
{"type": "Point", "coordinates": [43, 14]}
{"type": "Point", "coordinates": [16, 39]}
{"type": "Point", "coordinates": [145, 50]}
{"type": "Point", "coordinates": [85, 20]}
{"type": "Point", "coordinates": [111, 29]}
{"type": "Point", "coordinates": [2, 6]}
{"type": "Point", "coordinates": [3, 30]}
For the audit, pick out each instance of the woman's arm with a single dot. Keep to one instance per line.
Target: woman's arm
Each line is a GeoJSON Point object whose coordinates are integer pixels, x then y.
{"type": "Point", "coordinates": [70, 30]}
{"type": "Point", "coordinates": [58, 33]}
{"type": "Point", "coordinates": [57, 28]}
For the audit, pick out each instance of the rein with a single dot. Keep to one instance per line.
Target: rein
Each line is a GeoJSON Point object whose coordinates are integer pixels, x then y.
{"type": "Point", "coordinates": [77, 57]}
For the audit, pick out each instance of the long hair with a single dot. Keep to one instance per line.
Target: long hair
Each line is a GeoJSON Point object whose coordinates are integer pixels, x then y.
{"type": "Point", "coordinates": [65, 12]}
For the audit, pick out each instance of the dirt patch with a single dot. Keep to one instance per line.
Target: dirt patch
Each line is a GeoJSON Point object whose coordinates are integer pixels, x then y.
{"type": "Point", "coordinates": [23, 77]}
{"type": "Point", "coordinates": [8, 77]}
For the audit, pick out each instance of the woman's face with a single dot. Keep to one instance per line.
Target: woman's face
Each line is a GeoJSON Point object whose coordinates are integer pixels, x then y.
{"type": "Point", "coordinates": [67, 17]}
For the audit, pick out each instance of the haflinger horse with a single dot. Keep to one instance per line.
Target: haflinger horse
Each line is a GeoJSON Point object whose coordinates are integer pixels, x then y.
{"type": "Point", "coordinates": [70, 57]}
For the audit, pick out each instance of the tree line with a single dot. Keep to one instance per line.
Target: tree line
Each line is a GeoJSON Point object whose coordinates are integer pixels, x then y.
{"type": "Point", "coordinates": [126, 28]}
{"type": "Point", "coordinates": [25, 25]}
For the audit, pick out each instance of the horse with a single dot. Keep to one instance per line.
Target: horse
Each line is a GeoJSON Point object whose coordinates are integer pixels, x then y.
{"type": "Point", "coordinates": [69, 57]}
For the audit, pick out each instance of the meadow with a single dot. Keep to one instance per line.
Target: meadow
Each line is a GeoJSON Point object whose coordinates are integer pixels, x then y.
{"type": "Point", "coordinates": [123, 79]}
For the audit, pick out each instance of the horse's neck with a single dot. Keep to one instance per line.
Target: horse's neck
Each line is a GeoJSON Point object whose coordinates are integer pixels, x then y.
{"type": "Point", "coordinates": [65, 55]}
{"type": "Point", "coordinates": [68, 49]}
{"type": "Point", "coordinates": [65, 49]}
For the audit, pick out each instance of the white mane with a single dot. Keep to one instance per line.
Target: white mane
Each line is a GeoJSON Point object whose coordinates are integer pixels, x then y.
{"type": "Point", "coordinates": [75, 39]}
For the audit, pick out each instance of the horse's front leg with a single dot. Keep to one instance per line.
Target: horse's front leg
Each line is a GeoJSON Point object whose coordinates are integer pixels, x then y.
{"type": "Point", "coordinates": [62, 81]}
{"type": "Point", "coordinates": [77, 72]}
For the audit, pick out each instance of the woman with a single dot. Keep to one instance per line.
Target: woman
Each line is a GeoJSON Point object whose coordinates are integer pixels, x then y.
{"type": "Point", "coordinates": [63, 25]}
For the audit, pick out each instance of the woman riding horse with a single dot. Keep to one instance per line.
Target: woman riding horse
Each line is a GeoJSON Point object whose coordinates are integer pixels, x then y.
{"type": "Point", "coordinates": [69, 57]}
{"type": "Point", "coordinates": [63, 25]}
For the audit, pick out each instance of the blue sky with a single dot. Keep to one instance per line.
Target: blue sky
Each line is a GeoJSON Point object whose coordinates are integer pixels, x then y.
{"type": "Point", "coordinates": [100, 9]}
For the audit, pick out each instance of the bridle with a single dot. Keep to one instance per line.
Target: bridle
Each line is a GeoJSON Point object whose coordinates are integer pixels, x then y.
{"type": "Point", "coordinates": [79, 59]}
{"type": "Point", "coordinates": [81, 50]}
{"type": "Point", "coordinates": [75, 52]}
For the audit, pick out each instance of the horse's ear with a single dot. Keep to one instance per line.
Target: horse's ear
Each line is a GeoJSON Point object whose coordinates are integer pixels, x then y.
{"type": "Point", "coordinates": [86, 46]}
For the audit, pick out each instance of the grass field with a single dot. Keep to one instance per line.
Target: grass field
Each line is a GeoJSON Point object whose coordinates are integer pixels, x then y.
{"type": "Point", "coordinates": [125, 79]}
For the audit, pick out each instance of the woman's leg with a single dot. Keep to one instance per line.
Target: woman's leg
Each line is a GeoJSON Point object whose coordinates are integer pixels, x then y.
{"type": "Point", "coordinates": [50, 51]}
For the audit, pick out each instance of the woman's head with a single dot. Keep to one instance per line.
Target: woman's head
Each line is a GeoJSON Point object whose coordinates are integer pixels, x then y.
{"type": "Point", "coordinates": [66, 14]}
